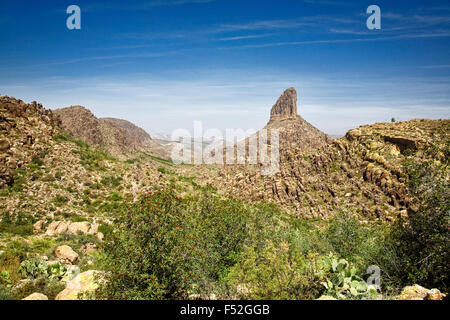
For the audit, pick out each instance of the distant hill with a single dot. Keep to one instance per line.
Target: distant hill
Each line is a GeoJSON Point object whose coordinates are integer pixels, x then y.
{"type": "Point", "coordinates": [115, 136]}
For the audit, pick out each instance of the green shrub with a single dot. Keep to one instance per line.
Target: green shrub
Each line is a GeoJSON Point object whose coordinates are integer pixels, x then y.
{"type": "Point", "coordinates": [152, 255]}
{"type": "Point", "coordinates": [21, 225]}
{"type": "Point", "coordinates": [358, 243]}
{"type": "Point", "coordinates": [344, 283]}
{"type": "Point", "coordinates": [6, 293]}
{"type": "Point", "coordinates": [59, 200]}
{"type": "Point", "coordinates": [20, 179]}
{"type": "Point", "coordinates": [5, 278]}
{"type": "Point", "coordinates": [46, 286]}
{"type": "Point", "coordinates": [162, 170]}
{"type": "Point", "coordinates": [170, 247]}
{"type": "Point", "coordinates": [111, 181]}
{"type": "Point", "coordinates": [37, 268]}
{"type": "Point", "coordinates": [422, 241]}
{"type": "Point", "coordinates": [105, 229]}
{"type": "Point", "coordinates": [33, 268]}
{"type": "Point", "coordinates": [276, 272]}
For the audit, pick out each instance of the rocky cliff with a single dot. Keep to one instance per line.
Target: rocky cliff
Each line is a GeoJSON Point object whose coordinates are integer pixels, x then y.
{"type": "Point", "coordinates": [286, 106]}
{"type": "Point", "coordinates": [295, 132]}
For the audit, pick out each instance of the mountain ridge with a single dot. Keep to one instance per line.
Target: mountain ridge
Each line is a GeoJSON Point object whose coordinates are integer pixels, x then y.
{"type": "Point", "coordinates": [116, 136]}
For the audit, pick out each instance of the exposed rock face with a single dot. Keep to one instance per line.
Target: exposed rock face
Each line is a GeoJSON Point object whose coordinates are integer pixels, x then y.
{"type": "Point", "coordinates": [60, 227]}
{"type": "Point", "coordinates": [37, 227]}
{"type": "Point", "coordinates": [295, 133]}
{"type": "Point", "coordinates": [57, 227]}
{"type": "Point", "coordinates": [88, 248]}
{"type": "Point", "coordinates": [79, 227]}
{"type": "Point", "coordinates": [286, 106]}
{"type": "Point", "coordinates": [135, 133]}
{"type": "Point", "coordinates": [114, 136]}
{"type": "Point", "coordinates": [81, 123]}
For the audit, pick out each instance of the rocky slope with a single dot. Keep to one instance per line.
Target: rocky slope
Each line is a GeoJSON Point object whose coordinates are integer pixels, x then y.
{"type": "Point", "coordinates": [116, 136]}
{"type": "Point", "coordinates": [57, 193]}
{"type": "Point", "coordinates": [25, 131]}
{"type": "Point", "coordinates": [295, 132]}
{"type": "Point", "coordinates": [47, 173]}
{"type": "Point", "coordinates": [360, 173]}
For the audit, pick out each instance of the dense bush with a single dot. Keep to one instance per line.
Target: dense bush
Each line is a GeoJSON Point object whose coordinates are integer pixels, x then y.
{"type": "Point", "coordinates": [276, 272]}
{"type": "Point", "coordinates": [166, 246]}
{"type": "Point", "coordinates": [6, 293]}
{"type": "Point", "coordinates": [153, 254]}
{"type": "Point", "coordinates": [360, 244]}
{"type": "Point", "coordinates": [422, 241]}
{"type": "Point", "coordinates": [40, 277]}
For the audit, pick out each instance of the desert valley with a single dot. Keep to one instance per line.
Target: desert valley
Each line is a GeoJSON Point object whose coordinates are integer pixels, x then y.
{"type": "Point", "coordinates": [94, 208]}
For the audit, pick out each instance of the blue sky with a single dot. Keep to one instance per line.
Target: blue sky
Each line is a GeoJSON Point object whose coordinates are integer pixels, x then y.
{"type": "Point", "coordinates": [164, 64]}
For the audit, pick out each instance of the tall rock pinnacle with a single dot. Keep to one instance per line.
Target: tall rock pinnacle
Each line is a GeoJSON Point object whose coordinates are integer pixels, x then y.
{"type": "Point", "coordinates": [286, 106]}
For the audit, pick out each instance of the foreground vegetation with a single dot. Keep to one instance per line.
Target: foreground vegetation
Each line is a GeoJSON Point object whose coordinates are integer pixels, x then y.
{"type": "Point", "coordinates": [184, 240]}
{"type": "Point", "coordinates": [205, 246]}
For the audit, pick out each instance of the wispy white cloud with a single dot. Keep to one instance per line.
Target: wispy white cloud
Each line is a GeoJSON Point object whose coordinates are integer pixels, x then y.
{"type": "Point", "coordinates": [443, 34]}
{"type": "Point", "coordinates": [95, 58]}
{"type": "Point", "coordinates": [254, 36]}
{"type": "Point", "coordinates": [395, 26]}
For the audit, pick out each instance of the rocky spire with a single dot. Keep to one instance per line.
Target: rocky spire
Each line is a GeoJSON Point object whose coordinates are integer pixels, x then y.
{"type": "Point", "coordinates": [286, 106]}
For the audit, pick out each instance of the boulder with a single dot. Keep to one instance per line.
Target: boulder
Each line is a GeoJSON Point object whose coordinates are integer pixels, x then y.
{"type": "Point", "coordinates": [37, 227]}
{"type": "Point", "coordinates": [79, 227]}
{"type": "Point", "coordinates": [4, 145]}
{"type": "Point", "coordinates": [56, 227]}
{"type": "Point", "coordinates": [67, 254]}
{"type": "Point", "coordinates": [59, 227]}
{"type": "Point", "coordinates": [36, 296]}
{"type": "Point", "coordinates": [84, 283]}
{"type": "Point", "coordinates": [326, 298]}
{"type": "Point", "coordinates": [417, 292]}
{"type": "Point", "coordinates": [52, 228]}
{"type": "Point", "coordinates": [62, 227]}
